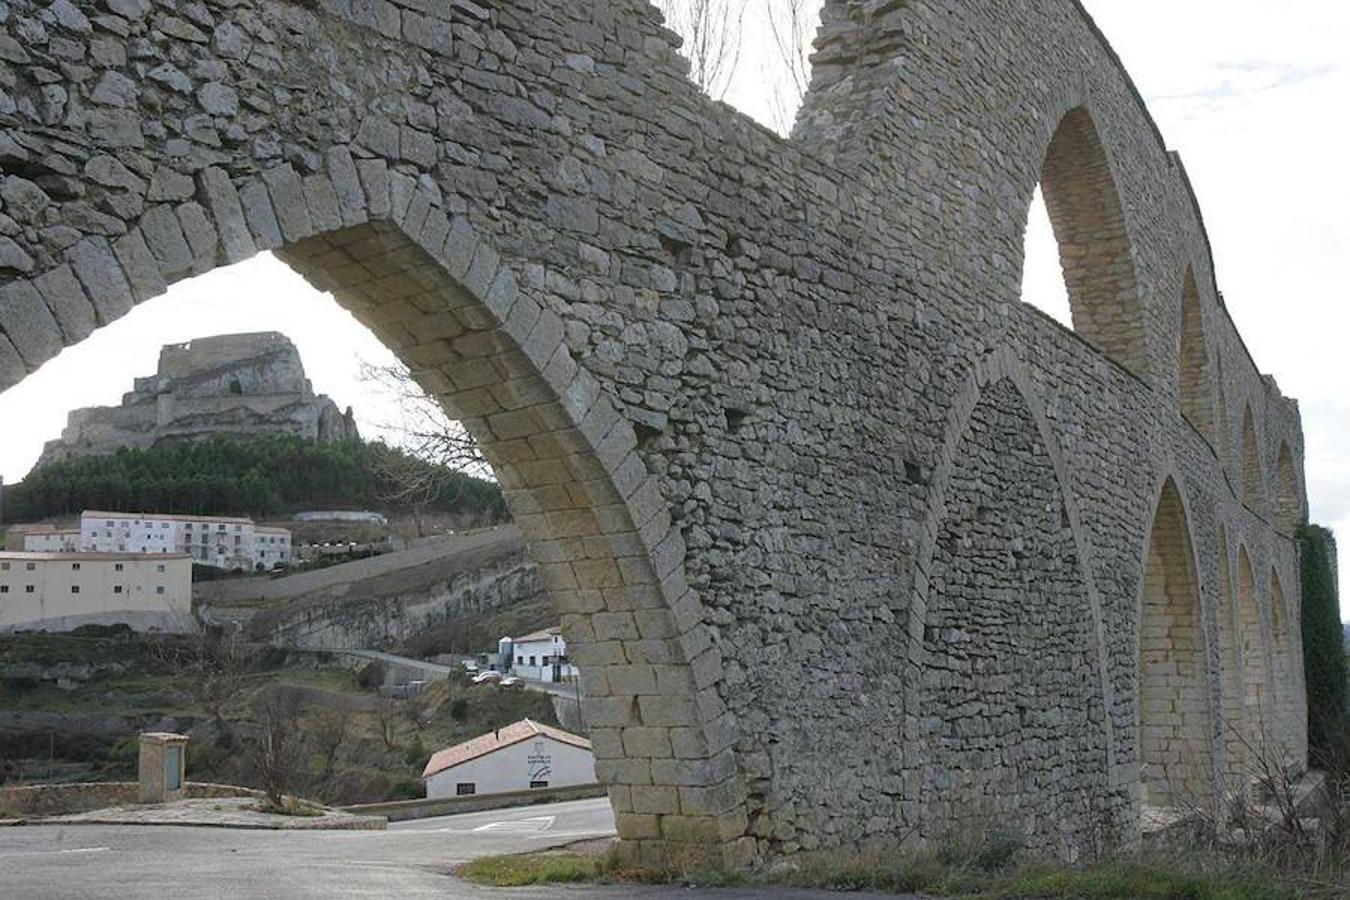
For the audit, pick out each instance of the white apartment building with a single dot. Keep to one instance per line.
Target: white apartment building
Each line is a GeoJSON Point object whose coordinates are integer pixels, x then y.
{"type": "Point", "coordinates": [61, 591]}
{"type": "Point", "coordinates": [271, 546]}
{"type": "Point", "coordinates": [223, 542]}
{"type": "Point", "coordinates": [55, 541]}
{"type": "Point", "coordinates": [542, 656]}
{"type": "Point", "coordinates": [42, 539]}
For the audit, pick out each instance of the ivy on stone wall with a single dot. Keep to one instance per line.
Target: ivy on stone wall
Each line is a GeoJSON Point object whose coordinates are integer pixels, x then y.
{"type": "Point", "coordinates": [1324, 663]}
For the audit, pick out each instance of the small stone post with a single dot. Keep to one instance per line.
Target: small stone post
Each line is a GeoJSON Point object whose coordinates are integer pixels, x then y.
{"type": "Point", "coordinates": [163, 767]}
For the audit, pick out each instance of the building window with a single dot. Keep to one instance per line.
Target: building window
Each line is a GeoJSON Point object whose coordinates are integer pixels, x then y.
{"type": "Point", "coordinates": [30, 566]}
{"type": "Point", "coordinates": [117, 567]}
{"type": "Point", "coordinates": [159, 568]}
{"type": "Point", "coordinates": [538, 784]}
{"type": "Point", "coordinates": [160, 589]}
{"type": "Point", "coordinates": [465, 788]}
{"type": "Point", "coordinates": [520, 660]}
{"type": "Point", "coordinates": [4, 589]}
{"type": "Point", "coordinates": [74, 588]}
{"type": "Point", "coordinates": [4, 567]}
{"type": "Point", "coordinates": [532, 660]}
{"type": "Point", "coordinates": [117, 589]}
{"type": "Point", "coordinates": [28, 589]}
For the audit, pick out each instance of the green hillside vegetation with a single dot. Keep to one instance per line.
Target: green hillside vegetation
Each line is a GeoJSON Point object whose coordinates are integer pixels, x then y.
{"type": "Point", "coordinates": [259, 475]}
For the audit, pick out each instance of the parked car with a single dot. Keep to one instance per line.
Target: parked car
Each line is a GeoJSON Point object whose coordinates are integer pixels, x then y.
{"type": "Point", "coordinates": [486, 677]}
{"type": "Point", "coordinates": [513, 681]}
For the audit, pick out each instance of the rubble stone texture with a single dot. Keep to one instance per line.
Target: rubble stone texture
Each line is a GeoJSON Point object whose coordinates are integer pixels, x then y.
{"type": "Point", "coordinates": [853, 546]}
{"type": "Point", "coordinates": [226, 384]}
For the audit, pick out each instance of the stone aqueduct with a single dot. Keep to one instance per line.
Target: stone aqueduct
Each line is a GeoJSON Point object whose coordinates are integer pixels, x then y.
{"type": "Point", "coordinates": [851, 543]}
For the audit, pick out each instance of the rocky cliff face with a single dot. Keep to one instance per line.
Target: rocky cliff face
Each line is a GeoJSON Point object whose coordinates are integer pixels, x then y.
{"type": "Point", "coordinates": [382, 602]}
{"type": "Point", "coordinates": [227, 384]}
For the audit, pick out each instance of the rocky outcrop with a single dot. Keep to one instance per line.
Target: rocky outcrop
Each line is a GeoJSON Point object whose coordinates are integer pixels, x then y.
{"type": "Point", "coordinates": [227, 384]}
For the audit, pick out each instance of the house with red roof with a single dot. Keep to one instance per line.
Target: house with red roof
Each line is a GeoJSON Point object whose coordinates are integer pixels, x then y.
{"type": "Point", "coordinates": [526, 755]}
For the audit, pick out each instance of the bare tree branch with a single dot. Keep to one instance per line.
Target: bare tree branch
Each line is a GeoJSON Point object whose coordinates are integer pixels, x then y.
{"type": "Point", "coordinates": [791, 23]}
{"type": "Point", "coordinates": [712, 31]}
{"type": "Point", "coordinates": [436, 450]}
{"type": "Point", "coordinates": [212, 666]}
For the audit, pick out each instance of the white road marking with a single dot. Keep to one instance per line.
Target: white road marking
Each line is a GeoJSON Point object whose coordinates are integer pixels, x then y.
{"type": "Point", "coordinates": [531, 825]}
{"type": "Point", "coordinates": [57, 852]}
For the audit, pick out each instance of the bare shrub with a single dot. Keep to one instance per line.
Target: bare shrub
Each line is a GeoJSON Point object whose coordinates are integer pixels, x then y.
{"type": "Point", "coordinates": [212, 666]}
{"type": "Point", "coordinates": [277, 752]}
{"type": "Point", "coordinates": [327, 733]}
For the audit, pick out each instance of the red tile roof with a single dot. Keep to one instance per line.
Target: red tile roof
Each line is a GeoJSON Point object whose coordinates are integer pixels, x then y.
{"type": "Point", "coordinates": [497, 740]}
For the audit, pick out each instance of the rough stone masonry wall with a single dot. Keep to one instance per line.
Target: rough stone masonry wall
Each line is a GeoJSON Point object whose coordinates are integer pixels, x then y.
{"type": "Point", "coordinates": [742, 393]}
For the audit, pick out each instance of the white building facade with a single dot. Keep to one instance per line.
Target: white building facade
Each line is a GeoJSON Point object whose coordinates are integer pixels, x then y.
{"type": "Point", "coordinates": [520, 757]}
{"type": "Point", "coordinates": [232, 543]}
{"type": "Point", "coordinates": [542, 656]}
{"type": "Point", "coordinates": [51, 540]}
{"type": "Point", "coordinates": [271, 547]}
{"type": "Point", "coordinates": [61, 591]}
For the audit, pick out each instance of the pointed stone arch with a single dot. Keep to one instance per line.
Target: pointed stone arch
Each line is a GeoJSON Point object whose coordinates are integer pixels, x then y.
{"type": "Point", "coordinates": [1222, 420]}
{"type": "Point", "coordinates": [1233, 719]}
{"type": "Point", "coordinates": [438, 294]}
{"type": "Point", "coordinates": [1005, 610]}
{"type": "Point", "coordinates": [1282, 676]}
{"type": "Point", "coordinates": [1256, 700]}
{"type": "Point", "coordinates": [1195, 376]}
{"type": "Point", "coordinates": [1249, 463]}
{"type": "Point", "coordinates": [1094, 243]}
{"type": "Point", "coordinates": [1175, 720]}
{"type": "Point", "coordinates": [1288, 497]}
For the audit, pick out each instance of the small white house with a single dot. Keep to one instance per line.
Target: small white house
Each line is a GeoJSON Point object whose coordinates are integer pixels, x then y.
{"type": "Point", "coordinates": [519, 757]}
{"type": "Point", "coordinates": [542, 656]}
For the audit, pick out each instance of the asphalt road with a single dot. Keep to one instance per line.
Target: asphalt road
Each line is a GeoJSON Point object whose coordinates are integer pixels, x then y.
{"type": "Point", "coordinates": [410, 861]}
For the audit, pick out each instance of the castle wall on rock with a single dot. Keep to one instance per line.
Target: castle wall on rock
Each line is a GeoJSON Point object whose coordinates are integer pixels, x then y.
{"type": "Point", "coordinates": [225, 384]}
{"type": "Point", "coordinates": [850, 543]}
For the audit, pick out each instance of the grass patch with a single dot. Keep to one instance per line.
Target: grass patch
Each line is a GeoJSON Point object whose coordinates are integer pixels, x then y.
{"type": "Point", "coordinates": [927, 875]}
{"type": "Point", "coordinates": [290, 806]}
{"type": "Point", "coordinates": [542, 868]}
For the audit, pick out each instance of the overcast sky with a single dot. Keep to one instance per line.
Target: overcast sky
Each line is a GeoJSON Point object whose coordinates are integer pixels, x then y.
{"type": "Point", "coordinates": [1253, 95]}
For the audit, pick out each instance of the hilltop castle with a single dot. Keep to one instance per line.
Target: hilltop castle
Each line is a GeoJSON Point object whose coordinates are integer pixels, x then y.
{"type": "Point", "coordinates": [227, 384]}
